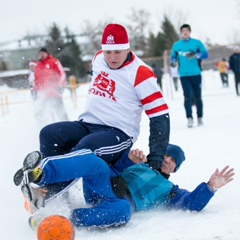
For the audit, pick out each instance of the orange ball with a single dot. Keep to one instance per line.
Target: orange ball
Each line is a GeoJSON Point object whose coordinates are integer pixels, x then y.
{"type": "Point", "coordinates": [56, 227]}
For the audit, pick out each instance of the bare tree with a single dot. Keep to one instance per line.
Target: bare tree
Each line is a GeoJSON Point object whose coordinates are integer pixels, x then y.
{"type": "Point", "coordinates": [234, 38]}
{"type": "Point", "coordinates": [139, 28]}
{"type": "Point", "coordinates": [94, 33]}
{"type": "Point", "coordinates": [176, 16]}
{"type": "Point", "coordinates": [139, 22]}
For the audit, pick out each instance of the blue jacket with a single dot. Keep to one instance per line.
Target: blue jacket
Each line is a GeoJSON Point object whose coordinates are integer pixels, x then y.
{"type": "Point", "coordinates": [188, 66]}
{"type": "Point", "coordinates": [193, 201]}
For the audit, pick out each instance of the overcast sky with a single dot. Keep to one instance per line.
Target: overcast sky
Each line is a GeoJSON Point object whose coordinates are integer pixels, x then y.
{"type": "Point", "coordinates": [217, 20]}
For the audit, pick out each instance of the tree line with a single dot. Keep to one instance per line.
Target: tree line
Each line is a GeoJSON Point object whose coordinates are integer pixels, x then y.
{"type": "Point", "coordinates": [64, 46]}
{"type": "Point", "coordinates": [67, 50]}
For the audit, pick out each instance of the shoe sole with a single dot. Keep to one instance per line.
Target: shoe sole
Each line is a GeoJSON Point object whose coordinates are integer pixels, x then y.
{"type": "Point", "coordinates": [30, 162]}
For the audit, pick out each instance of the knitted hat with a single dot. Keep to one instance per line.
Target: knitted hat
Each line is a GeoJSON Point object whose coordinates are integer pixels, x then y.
{"type": "Point", "coordinates": [43, 49]}
{"type": "Point", "coordinates": [32, 63]}
{"type": "Point", "coordinates": [115, 37]}
{"type": "Point", "coordinates": [236, 48]}
{"type": "Point", "coordinates": [176, 153]}
{"type": "Point", "coordinates": [185, 26]}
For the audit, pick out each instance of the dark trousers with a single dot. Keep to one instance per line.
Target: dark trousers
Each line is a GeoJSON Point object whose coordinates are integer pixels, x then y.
{"type": "Point", "coordinates": [224, 78]}
{"type": "Point", "coordinates": [192, 89]}
{"type": "Point", "coordinates": [175, 82]}
{"type": "Point", "coordinates": [63, 137]}
{"type": "Point", "coordinates": [237, 82]}
{"type": "Point", "coordinates": [159, 82]}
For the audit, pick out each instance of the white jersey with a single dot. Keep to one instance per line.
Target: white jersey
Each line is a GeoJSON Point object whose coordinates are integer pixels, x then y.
{"type": "Point", "coordinates": [118, 97]}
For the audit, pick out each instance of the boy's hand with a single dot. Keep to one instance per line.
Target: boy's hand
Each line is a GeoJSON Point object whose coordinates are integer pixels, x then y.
{"type": "Point", "coordinates": [137, 156]}
{"type": "Point", "coordinates": [221, 178]}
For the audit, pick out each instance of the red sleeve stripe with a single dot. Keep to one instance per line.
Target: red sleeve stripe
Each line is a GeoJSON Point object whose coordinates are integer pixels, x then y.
{"type": "Point", "coordinates": [151, 98]}
{"type": "Point", "coordinates": [99, 52]}
{"type": "Point", "coordinates": [143, 74]}
{"type": "Point", "coordinates": [157, 109]}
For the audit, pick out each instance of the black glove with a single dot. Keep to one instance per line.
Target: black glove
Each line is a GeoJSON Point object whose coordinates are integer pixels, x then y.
{"type": "Point", "coordinates": [190, 55]}
{"type": "Point", "coordinates": [173, 64]}
{"type": "Point", "coordinates": [154, 164]}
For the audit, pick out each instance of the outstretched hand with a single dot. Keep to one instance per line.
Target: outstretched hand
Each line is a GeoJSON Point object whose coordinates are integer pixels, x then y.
{"type": "Point", "coordinates": [137, 156]}
{"type": "Point", "coordinates": [221, 178]}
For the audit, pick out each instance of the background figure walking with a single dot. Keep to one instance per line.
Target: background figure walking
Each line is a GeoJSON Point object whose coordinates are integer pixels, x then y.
{"type": "Point", "coordinates": [234, 64]}
{"type": "Point", "coordinates": [50, 79]}
{"type": "Point", "coordinates": [175, 76]}
{"type": "Point", "coordinates": [188, 53]}
{"type": "Point", "coordinates": [73, 85]}
{"type": "Point", "coordinates": [158, 72]}
{"type": "Point", "coordinates": [31, 77]}
{"type": "Point", "coordinates": [223, 69]}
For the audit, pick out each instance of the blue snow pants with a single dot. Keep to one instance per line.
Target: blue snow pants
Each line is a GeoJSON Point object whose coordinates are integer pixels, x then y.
{"type": "Point", "coordinates": [192, 90]}
{"type": "Point", "coordinates": [63, 137]}
{"type": "Point", "coordinates": [107, 210]}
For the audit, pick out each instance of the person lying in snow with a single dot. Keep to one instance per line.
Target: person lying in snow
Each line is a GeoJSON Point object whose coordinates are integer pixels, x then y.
{"type": "Point", "coordinates": [115, 192]}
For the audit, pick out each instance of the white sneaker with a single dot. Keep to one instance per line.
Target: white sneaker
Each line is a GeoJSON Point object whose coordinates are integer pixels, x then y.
{"type": "Point", "coordinates": [200, 122]}
{"type": "Point", "coordinates": [190, 122]}
{"type": "Point", "coordinates": [33, 198]}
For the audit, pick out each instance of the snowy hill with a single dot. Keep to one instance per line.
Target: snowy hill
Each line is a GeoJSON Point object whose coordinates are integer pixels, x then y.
{"type": "Point", "coordinates": [213, 145]}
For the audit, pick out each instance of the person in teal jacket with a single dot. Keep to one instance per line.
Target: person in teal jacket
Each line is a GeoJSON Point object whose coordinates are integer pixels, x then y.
{"type": "Point", "coordinates": [188, 54]}
{"type": "Point", "coordinates": [115, 192]}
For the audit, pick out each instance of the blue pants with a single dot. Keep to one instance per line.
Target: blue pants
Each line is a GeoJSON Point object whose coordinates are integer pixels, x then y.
{"type": "Point", "coordinates": [107, 210]}
{"type": "Point", "coordinates": [192, 90]}
{"type": "Point", "coordinates": [63, 137]}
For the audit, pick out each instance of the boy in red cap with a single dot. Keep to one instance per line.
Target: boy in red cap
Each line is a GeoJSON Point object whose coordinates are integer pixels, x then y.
{"type": "Point", "coordinates": [122, 87]}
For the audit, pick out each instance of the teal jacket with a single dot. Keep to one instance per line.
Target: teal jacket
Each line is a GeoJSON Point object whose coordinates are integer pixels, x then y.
{"type": "Point", "coordinates": [148, 188]}
{"type": "Point", "coordinates": [188, 66]}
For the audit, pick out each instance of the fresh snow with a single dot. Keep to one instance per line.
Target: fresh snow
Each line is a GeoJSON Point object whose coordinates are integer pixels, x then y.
{"type": "Point", "coordinates": [211, 146]}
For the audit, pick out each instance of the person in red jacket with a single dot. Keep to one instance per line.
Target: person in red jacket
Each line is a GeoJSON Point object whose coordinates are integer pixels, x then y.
{"type": "Point", "coordinates": [50, 79]}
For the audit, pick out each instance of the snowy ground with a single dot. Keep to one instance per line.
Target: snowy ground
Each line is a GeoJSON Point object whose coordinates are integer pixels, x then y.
{"type": "Point", "coordinates": [206, 148]}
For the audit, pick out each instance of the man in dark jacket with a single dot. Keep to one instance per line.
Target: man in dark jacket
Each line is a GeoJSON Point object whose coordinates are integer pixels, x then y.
{"type": "Point", "coordinates": [234, 64]}
{"type": "Point", "coordinates": [134, 186]}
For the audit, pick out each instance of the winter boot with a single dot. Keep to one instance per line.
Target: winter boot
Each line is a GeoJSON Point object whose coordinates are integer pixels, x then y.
{"type": "Point", "coordinates": [34, 198]}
